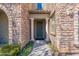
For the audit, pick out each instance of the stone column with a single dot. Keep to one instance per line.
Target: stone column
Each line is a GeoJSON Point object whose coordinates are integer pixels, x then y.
{"type": "Point", "coordinates": [32, 29]}
{"type": "Point", "coordinates": [47, 33]}
{"type": "Point", "coordinates": [10, 31]}
{"type": "Point", "coordinates": [76, 18]}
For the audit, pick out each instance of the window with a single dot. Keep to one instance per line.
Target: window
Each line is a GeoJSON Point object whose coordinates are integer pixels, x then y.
{"type": "Point", "coordinates": [39, 6]}
{"type": "Point", "coordinates": [52, 25]}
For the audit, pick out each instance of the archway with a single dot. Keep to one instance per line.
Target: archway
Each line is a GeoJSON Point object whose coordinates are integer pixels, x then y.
{"type": "Point", "coordinates": [3, 27]}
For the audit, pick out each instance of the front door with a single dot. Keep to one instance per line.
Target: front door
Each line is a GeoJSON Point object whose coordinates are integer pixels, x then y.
{"type": "Point", "coordinates": [39, 30]}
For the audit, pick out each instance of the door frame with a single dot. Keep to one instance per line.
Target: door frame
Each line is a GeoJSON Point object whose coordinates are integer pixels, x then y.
{"type": "Point", "coordinates": [46, 28]}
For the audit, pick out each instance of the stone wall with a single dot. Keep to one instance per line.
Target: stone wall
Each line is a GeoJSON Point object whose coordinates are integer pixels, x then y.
{"type": "Point", "coordinates": [16, 18]}
{"type": "Point", "coordinates": [19, 24]}
{"type": "Point", "coordinates": [65, 27]}
{"type": "Point", "coordinates": [13, 13]}
{"type": "Point", "coordinates": [25, 24]}
{"type": "Point", "coordinates": [19, 29]}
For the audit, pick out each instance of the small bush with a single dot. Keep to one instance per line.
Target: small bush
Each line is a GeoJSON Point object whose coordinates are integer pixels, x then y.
{"type": "Point", "coordinates": [9, 50]}
{"type": "Point", "coordinates": [27, 49]}
{"type": "Point", "coordinates": [54, 49]}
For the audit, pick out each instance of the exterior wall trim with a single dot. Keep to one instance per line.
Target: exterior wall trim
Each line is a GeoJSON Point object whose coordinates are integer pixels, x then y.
{"type": "Point", "coordinates": [76, 18]}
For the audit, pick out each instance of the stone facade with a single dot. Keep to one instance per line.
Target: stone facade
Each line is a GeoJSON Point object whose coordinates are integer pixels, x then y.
{"type": "Point", "coordinates": [16, 31]}
{"type": "Point", "coordinates": [66, 17]}
{"type": "Point", "coordinates": [25, 24]}
{"type": "Point", "coordinates": [65, 27]}
{"type": "Point", "coordinates": [66, 35]}
{"type": "Point", "coordinates": [13, 14]}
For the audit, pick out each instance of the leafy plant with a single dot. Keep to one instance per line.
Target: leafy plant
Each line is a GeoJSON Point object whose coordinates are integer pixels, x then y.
{"type": "Point", "coordinates": [9, 50]}
{"type": "Point", "coordinates": [13, 50]}
{"type": "Point", "coordinates": [54, 49]}
{"type": "Point", "coordinates": [27, 49]}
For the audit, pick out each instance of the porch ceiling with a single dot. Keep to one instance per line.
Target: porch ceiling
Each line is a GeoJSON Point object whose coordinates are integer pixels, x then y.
{"type": "Point", "coordinates": [39, 16]}
{"type": "Point", "coordinates": [39, 12]}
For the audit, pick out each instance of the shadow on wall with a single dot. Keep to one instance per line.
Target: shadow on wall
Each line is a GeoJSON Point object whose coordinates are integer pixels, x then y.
{"type": "Point", "coordinates": [3, 27]}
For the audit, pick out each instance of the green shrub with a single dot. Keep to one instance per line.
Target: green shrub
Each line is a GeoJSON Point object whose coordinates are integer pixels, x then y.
{"type": "Point", "coordinates": [9, 50]}
{"type": "Point", "coordinates": [13, 50]}
{"type": "Point", "coordinates": [27, 49]}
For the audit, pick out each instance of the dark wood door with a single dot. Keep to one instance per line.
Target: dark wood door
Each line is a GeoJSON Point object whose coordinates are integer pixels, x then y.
{"type": "Point", "coordinates": [39, 30]}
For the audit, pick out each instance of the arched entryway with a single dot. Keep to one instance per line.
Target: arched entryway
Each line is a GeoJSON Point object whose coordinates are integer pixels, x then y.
{"type": "Point", "coordinates": [3, 27]}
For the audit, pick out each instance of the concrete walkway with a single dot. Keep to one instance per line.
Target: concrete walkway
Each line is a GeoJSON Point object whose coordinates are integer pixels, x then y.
{"type": "Point", "coordinates": [40, 48]}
